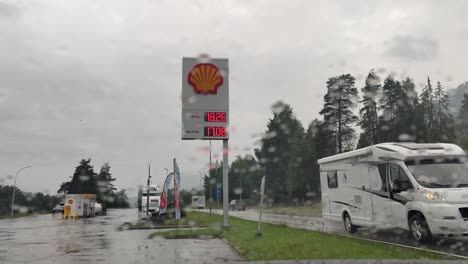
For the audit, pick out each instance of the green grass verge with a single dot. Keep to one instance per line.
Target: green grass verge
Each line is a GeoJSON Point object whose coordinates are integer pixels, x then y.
{"type": "Point", "coordinates": [283, 243]}
{"type": "Point", "coordinates": [314, 209]}
{"type": "Point", "coordinates": [17, 215]}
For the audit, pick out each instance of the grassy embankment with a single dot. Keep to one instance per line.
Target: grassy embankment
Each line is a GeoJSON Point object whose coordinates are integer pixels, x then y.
{"type": "Point", "coordinates": [314, 209]}
{"type": "Point", "coordinates": [17, 215]}
{"type": "Point", "coordinates": [280, 242]}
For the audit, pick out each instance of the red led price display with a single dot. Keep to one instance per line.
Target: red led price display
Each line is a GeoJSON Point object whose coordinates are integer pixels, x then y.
{"type": "Point", "coordinates": [215, 131]}
{"type": "Point", "coordinates": [215, 117]}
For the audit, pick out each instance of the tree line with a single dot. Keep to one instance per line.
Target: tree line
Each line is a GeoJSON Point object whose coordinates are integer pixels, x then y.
{"type": "Point", "coordinates": [26, 202]}
{"type": "Point", "coordinates": [388, 111]}
{"type": "Point", "coordinates": [85, 180]}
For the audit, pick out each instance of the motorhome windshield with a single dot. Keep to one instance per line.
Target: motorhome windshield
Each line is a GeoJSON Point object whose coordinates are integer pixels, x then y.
{"type": "Point", "coordinates": [435, 173]}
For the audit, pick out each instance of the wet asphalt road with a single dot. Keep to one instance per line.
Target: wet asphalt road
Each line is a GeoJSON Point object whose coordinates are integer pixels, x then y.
{"type": "Point", "coordinates": [48, 239]}
{"type": "Point", "coordinates": [452, 245]}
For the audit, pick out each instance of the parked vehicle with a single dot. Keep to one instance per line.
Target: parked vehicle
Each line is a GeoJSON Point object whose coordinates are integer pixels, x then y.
{"type": "Point", "coordinates": [417, 187]}
{"type": "Point", "coordinates": [154, 198]}
{"type": "Point", "coordinates": [237, 205]}
{"type": "Point", "coordinates": [58, 208]}
{"type": "Point", "coordinates": [80, 205]}
{"type": "Point", "coordinates": [198, 202]}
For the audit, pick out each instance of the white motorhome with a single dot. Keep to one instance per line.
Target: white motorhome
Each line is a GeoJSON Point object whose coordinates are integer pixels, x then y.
{"type": "Point", "coordinates": [198, 202]}
{"type": "Point", "coordinates": [151, 195]}
{"type": "Point", "coordinates": [422, 188]}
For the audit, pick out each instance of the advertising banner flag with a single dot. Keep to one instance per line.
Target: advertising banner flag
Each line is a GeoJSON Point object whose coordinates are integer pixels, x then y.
{"type": "Point", "coordinates": [163, 205]}
{"type": "Point", "coordinates": [176, 189]}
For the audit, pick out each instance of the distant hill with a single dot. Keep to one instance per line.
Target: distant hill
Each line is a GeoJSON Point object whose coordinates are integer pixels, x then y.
{"type": "Point", "coordinates": [456, 97]}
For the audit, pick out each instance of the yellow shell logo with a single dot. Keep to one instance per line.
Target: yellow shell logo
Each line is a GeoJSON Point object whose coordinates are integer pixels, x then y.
{"type": "Point", "coordinates": [205, 78]}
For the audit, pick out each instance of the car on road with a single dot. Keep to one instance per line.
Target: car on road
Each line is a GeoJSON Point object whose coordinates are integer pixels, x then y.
{"type": "Point", "coordinates": [58, 208]}
{"type": "Point", "coordinates": [238, 205]}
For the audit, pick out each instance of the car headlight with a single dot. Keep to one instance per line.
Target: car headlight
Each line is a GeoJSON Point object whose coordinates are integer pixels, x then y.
{"type": "Point", "coordinates": [433, 195]}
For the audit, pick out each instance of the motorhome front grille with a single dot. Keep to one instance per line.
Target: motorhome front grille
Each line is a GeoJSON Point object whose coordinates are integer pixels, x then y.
{"type": "Point", "coordinates": [464, 213]}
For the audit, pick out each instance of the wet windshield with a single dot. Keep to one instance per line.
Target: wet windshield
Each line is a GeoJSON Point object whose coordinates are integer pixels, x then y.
{"type": "Point", "coordinates": [440, 173]}
{"type": "Point", "coordinates": [230, 131]}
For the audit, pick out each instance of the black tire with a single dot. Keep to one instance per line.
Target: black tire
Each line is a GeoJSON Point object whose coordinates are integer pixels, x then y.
{"type": "Point", "coordinates": [348, 224]}
{"type": "Point", "coordinates": [419, 229]}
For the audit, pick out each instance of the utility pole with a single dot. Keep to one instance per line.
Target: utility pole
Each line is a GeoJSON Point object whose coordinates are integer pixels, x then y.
{"type": "Point", "coordinates": [148, 189]}
{"type": "Point", "coordinates": [209, 177]}
{"type": "Point", "coordinates": [226, 183]}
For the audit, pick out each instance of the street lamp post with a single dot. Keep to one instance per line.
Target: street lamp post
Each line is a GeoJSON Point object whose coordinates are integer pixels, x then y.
{"type": "Point", "coordinates": [167, 171]}
{"type": "Point", "coordinates": [14, 189]}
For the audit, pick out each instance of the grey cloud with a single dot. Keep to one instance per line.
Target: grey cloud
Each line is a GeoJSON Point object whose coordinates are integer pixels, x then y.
{"type": "Point", "coordinates": [411, 47]}
{"type": "Point", "coordinates": [8, 10]}
{"type": "Point", "coordinates": [105, 82]}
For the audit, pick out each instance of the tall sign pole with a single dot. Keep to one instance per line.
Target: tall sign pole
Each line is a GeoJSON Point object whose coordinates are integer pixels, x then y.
{"type": "Point", "coordinates": [205, 109]}
{"type": "Point", "coordinates": [209, 177]}
{"type": "Point", "coordinates": [148, 189]}
{"type": "Point", "coordinates": [262, 194]}
{"type": "Point", "coordinates": [225, 183]}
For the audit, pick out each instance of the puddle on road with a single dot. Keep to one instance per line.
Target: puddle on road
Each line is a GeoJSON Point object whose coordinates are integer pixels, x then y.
{"type": "Point", "coordinates": [52, 240]}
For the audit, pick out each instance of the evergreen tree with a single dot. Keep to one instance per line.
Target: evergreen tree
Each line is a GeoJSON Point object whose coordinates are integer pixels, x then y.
{"type": "Point", "coordinates": [106, 189]}
{"type": "Point", "coordinates": [463, 114]}
{"type": "Point", "coordinates": [462, 124]}
{"type": "Point", "coordinates": [369, 122]}
{"type": "Point", "coordinates": [83, 180]}
{"type": "Point", "coordinates": [390, 104]}
{"type": "Point", "coordinates": [338, 116]}
{"type": "Point", "coordinates": [427, 108]}
{"type": "Point", "coordinates": [408, 114]}
{"type": "Point", "coordinates": [443, 119]}
{"type": "Point", "coordinates": [279, 151]}
{"type": "Point", "coordinates": [121, 199]}
{"type": "Point", "coordinates": [312, 149]}
{"type": "Point", "coordinates": [244, 177]}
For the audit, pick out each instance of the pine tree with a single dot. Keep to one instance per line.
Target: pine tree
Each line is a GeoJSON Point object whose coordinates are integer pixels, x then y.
{"type": "Point", "coordinates": [462, 124]}
{"type": "Point", "coordinates": [338, 116]}
{"type": "Point", "coordinates": [390, 104]}
{"type": "Point", "coordinates": [463, 114]}
{"type": "Point", "coordinates": [83, 180]}
{"type": "Point", "coordinates": [443, 119]}
{"type": "Point", "coordinates": [279, 151]}
{"type": "Point", "coordinates": [244, 177]}
{"type": "Point", "coordinates": [106, 189]}
{"type": "Point", "coordinates": [427, 107]}
{"type": "Point", "coordinates": [407, 111]}
{"type": "Point", "coordinates": [313, 149]}
{"type": "Point", "coordinates": [369, 122]}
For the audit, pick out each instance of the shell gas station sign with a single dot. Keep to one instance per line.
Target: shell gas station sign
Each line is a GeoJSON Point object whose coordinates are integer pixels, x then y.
{"type": "Point", "coordinates": [205, 98]}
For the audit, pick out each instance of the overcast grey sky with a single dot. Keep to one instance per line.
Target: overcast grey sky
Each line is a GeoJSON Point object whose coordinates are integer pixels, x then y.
{"type": "Point", "coordinates": [102, 79]}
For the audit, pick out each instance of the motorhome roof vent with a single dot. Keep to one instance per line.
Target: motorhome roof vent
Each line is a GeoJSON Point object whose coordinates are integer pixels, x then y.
{"type": "Point", "coordinates": [385, 149]}
{"type": "Point", "coordinates": [415, 146]}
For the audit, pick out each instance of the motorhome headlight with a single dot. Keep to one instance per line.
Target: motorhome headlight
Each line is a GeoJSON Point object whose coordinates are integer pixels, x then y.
{"type": "Point", "coordinates": [433, 195]}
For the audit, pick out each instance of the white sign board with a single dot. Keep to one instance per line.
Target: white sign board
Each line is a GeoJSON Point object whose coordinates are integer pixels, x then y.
{"type": "Point", "coordinates": [205, 98]}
